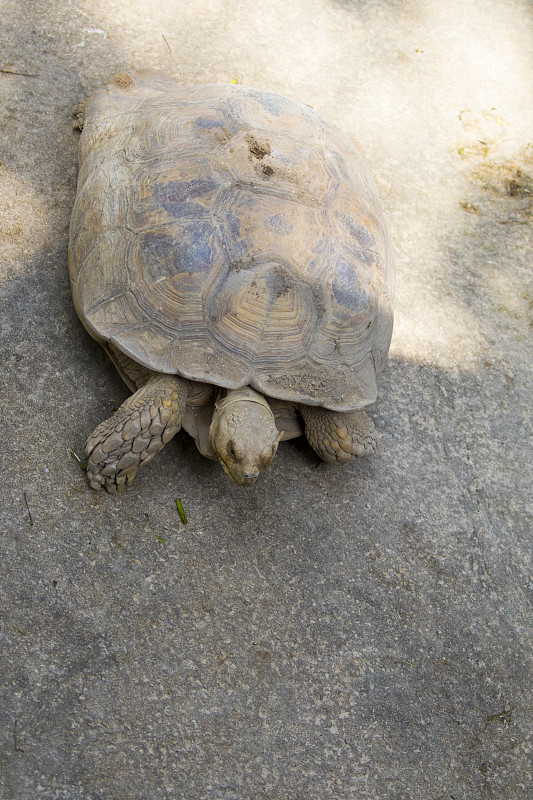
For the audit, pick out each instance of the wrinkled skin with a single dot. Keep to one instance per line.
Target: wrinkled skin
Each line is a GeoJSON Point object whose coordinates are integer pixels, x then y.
{"type": "Point", "coordinates": [243, 435]}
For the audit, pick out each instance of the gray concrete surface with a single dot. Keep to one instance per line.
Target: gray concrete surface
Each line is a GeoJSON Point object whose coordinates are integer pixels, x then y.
{"type": "Point", "coordinates": [360, 633]}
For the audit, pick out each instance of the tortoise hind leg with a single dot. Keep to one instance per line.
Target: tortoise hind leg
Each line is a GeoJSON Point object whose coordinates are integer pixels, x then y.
{"type": "Point", "coordinates": [140, 428]}
{"type": "Point", "coordinates": [338, 436]}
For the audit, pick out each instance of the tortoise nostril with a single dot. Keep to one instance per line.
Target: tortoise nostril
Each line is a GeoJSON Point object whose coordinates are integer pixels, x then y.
{"type": "Point", "coordinates": [251, 475]}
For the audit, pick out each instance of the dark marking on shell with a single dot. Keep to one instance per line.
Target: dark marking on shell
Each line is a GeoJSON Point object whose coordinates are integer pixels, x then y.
{"type": "Point", "coordinates": [347, 288]}
{"type": "Point", "coordinates": [279, 223]}
{"type": "Point", "coordinates": [280, 282]}
{"type": "Point", "coordinates": [166, 255]}
{"type": "Point", "coordinates": [180, 198]}
{"type": "Point", "coordinates": [257, 149]}
{"type": "Point", "coordinates": [361, 234]}
{"type": "Point", "coordinates": [237, 266]}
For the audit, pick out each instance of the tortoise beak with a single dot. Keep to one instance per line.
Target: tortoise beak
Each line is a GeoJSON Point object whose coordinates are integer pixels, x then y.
{"type": "Point", "coordinates": [244, 479]}
{"type": "Point", "coordinates": [250, 477]}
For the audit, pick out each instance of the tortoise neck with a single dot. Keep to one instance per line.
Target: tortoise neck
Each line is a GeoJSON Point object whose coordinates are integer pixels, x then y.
{"type": "Point", "coordinates": [245, 394]}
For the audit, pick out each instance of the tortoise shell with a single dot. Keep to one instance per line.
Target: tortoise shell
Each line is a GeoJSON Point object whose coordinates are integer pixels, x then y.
{"type": "Point", "coordinates": [234, 237]}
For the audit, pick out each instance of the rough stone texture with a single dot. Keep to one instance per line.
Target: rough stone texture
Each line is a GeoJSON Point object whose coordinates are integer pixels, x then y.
{"type": "Point", "coordinates": [363, 632]}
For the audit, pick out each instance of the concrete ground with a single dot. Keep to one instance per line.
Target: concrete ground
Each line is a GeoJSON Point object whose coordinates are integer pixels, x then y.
{"type": "Point", "coordinates": [326, 634]}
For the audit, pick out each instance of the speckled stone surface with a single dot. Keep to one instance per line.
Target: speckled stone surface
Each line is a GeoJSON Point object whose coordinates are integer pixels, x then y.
{"type": "Point", "coordinates": [327, 634]}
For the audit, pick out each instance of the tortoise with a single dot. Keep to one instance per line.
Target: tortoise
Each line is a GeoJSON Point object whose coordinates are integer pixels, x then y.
{"type": "Point", "coordinates": [227, 249]}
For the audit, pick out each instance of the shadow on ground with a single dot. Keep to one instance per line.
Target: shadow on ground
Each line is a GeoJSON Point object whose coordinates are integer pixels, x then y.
{"type": "Point", "coordinates": [363, 632]}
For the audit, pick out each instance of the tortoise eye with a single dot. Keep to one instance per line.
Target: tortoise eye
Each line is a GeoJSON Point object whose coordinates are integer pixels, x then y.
{"type": "Point", "coordinates": [231, 451]}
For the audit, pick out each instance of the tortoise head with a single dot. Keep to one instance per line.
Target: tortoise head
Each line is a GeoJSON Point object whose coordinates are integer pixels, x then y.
{"type": "Point", "coordinates": [243, 435]}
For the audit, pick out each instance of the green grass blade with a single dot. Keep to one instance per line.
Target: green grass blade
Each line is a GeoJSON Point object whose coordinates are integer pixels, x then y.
{"type": "Point", "coordinates": [181, 510]}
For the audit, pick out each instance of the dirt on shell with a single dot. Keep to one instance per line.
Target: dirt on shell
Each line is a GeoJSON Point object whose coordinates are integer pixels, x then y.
{"type": "Point", "coordinates": [257, 149]}
{"type": "Point", "coordinates": [122, 80]}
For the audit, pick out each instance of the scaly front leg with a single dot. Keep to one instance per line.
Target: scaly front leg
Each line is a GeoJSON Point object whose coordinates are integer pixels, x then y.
{"type": "Point", "coordinates": [140, 428]}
